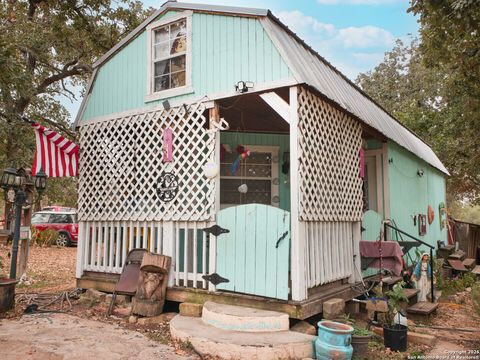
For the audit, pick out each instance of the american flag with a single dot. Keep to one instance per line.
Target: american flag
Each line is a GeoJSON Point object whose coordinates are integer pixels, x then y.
{"type": "Point", "coordinates": [57, 156]}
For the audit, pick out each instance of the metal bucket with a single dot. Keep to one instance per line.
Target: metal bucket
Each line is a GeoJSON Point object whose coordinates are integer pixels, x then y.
{"type": "Point", "coordinates": [7, 294]}
{"type": "Point", "coordinates": [333, 341]}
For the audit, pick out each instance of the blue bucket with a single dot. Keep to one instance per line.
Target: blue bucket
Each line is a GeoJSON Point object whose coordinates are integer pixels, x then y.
{"type": "Point", "coordinates": [333, 341]}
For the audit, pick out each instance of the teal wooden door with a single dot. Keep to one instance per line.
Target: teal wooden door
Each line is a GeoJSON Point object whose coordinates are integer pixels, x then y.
{"type": "Point", "coordinates": [254, 254]}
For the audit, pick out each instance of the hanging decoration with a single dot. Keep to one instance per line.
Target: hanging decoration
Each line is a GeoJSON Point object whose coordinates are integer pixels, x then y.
{"type": "Point", "coordinates": [243, 188]}
{"type": "Point", "coordinates": [210, 170]}
{"type": "Point", "coordinates": [422, 224]}
{"type": "Point", "coordinates": [431, 215]}
{"type": "Point", "coordinates": [167, 145]}
{"type": "Point", "coordinates": [167, 186]}
{"type": "Point", "coordinates": [243, 154]}
{"type": "Point", "coordinates": [442, 214]}
{"type": "Point", "coordinates": [362, 162]}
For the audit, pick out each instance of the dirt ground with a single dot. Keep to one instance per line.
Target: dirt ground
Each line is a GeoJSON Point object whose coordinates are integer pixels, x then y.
{"type": "Point", "coordinates": [59, 334]}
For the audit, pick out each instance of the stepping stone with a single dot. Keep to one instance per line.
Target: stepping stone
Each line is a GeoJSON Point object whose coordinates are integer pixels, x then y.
{"type": "Point", "coordinates": [457, 265]}
{"type": "Point", "coordinates": [458, 255]}
{"type": "Point", "coordinates": [226, 344]}
{"type": "Point", "coordinates": [391, 280]}
{"type": "Point", "coordinates": [469, 263]}
{"type": "Point", "coordinates": [239, 318]}
{"type": "Point", "coordinates": [476, 270]}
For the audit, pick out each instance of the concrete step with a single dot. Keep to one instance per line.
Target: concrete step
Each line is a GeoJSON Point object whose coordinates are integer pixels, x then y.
{"type": "Point", "coordinates": [240, 318]}
{"type": "Point", "coordinates": [226, 344]}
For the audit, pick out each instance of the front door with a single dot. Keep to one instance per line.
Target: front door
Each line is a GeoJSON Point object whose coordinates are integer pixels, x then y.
{"type": "Point", "coordinates": [254, 254]}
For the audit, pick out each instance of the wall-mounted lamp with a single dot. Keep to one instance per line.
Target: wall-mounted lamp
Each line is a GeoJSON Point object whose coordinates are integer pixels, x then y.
{"type": "Point", "coordinates": [420, 172]}
{"type": "Point", "coordinates": [243, 86]}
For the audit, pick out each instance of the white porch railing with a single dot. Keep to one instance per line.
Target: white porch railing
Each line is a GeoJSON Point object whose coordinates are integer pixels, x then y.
{"type": "Point", "coordinates": [103, 247]}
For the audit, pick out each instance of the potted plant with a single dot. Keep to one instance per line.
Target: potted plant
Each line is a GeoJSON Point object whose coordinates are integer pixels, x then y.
{"type": "Point", "coordinates": [7, 291]}
{"type": "Point", "coordinates": [394, 333]}
{"type": "Point", "coordinates": [360, 339]}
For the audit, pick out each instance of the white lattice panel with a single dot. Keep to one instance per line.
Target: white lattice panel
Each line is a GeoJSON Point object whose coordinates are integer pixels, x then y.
{"type": "Point", "coordinates": [121, 162]}
{"type": "Point", "coordinates": [330, 187]}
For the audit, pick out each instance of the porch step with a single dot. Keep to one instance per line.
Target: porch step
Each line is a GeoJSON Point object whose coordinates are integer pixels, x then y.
{"type": "Point", "coordinates": [391, 280]}
{"type": "Point", "coordinates": [244, 319]}
{"type": "Point", "coordinates": [410, 293]}
{"type": "Point", "coordinates": [422, 308]}
{"type": "Point", "coordinates": [210, 341]}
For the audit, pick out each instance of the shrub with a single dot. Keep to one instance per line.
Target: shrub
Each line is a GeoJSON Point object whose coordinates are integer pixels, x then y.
{"type": "Point", "coordinates": [476, 297]}
{"type": "Point", "coordinates": [46, 237]}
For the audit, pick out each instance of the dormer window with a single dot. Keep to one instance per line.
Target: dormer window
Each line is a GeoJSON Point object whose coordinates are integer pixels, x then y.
{"type": "Point", "coordinates": [169, 58]}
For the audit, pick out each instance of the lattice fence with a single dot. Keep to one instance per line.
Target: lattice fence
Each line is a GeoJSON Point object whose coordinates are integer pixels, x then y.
{"type": "Point", "coordinates": [329, 144]}
{"type": "Point", "coordinates": [121, 162]}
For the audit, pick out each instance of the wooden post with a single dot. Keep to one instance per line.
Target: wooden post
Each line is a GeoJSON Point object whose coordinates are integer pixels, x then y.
{"type": "Point", "coordinates": [299, 289]}
{"type": "Point", "coordinates": [357, 236]}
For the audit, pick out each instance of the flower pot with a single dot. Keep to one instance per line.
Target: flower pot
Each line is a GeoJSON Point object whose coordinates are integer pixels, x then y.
{"type": "Point", "coordinates": [333, 341]}
{"type": "Point", "coordinates": [360, 346]}
{"type": "Point", "coordinates": [7, 294]}
{"type": "Point", "coordinates": [395, 337]}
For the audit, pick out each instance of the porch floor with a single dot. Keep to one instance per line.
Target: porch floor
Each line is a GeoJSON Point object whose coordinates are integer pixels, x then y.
{"type": "Point", "coordinates": [295, 309]}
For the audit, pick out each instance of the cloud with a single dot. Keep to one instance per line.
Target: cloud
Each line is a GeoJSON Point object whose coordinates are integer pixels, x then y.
{"type": "Point", "coordinates": [356, 2]}
{"type": "Point", "coordinates": [364, 37]}
{"type": "Point", "coordinates": [299, 22]}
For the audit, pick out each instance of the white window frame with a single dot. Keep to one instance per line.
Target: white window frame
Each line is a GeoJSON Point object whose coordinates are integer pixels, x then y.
{"type": "Point", "coordinates": [185, 89]}
{"type": "Point", "coordinates": [274, 189]}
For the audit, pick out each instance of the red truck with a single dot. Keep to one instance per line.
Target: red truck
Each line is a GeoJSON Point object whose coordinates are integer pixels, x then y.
{"type": "Point", "coordinates": [63, 220]}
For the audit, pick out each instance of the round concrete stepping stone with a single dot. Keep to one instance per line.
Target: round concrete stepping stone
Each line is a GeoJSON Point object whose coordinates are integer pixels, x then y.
{"type": "Point", "coordinates": [238, 318]}
{"type": "Point", "coordinates": [226, 344]}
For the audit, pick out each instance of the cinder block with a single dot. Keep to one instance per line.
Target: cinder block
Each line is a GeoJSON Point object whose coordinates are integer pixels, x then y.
{"type": "Point", "coordinates": [95, 294]}
{"type": "Point", "coordinates": [333, 308]}
{"type": "Point", "coordinates": [191, 309]}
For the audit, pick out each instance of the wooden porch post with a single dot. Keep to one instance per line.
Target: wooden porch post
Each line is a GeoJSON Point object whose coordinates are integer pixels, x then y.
{"type": "Point", "coordinates": [297, 261]}
{"type": "Point", "coordinates": [80, 250]}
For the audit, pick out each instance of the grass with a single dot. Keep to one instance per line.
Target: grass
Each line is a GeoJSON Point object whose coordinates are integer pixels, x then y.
{"type": "Point", "coordinates": [453, 286]}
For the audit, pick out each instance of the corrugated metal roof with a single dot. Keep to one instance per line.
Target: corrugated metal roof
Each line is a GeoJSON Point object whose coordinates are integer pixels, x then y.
{"type": "Point", "coordinates": [310, 68]}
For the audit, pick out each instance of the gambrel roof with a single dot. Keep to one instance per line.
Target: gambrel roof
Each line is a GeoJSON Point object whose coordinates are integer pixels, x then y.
{"type": "Point", "coordinates": [309, 68]}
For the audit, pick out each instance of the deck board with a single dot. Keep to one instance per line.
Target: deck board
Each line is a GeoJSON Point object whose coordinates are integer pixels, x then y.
{"type": "Point", "coordinates": [422, 308]}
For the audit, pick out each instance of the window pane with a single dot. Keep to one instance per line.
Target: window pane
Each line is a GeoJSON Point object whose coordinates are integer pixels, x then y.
{"type": "Point", "coordinates": [178, 63]}
{"type": "Point", "coordinates": [161, 50]}
{"type": "Point", "coordinates": [178, 79]}
{"type": "Point", "coordinates": [162, 67]}
{"type": "Point", "coordinates": [40, 218]}
{"type": "Point", "coordinates": [161, 35]}
{"type": "Point", "coordinates": [178, 29]}
{"type": "Point", "coordinates": [162, 83]}
{"type": "Point", "coordinates": [179, 45]}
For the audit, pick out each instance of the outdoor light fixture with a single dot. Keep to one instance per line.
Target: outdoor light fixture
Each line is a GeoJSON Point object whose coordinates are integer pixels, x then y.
{"type": "Point", "coordinates": [243, 86]}
{"type": "Point", "coordinates": [8, 178]}
{"type": "Point", "coordinates": [420, 172]}
{"type": "Point", "coordinates": [12, 180]}
{"type": "Point", "coordinates": [40, 181]}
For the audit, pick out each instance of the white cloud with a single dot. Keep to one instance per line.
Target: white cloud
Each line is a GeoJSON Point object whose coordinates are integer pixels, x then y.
{"type": "Point", "coordinates": [299, 22]}
{"type": "Point", "coordinates": [357, 2]}
{"type": "Point", "coordinates": [364, 37]}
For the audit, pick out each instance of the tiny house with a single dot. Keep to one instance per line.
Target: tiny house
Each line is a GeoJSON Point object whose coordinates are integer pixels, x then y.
{"type": "Point", "coordinates": [216, 136]}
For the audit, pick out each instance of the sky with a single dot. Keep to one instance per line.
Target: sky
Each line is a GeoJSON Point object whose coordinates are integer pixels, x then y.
{"type": "Point", "coordinates": [352, 35]}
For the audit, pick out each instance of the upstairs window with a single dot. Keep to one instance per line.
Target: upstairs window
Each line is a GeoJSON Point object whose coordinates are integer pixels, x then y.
{"type": "Point", "coordinates": [169, 60]}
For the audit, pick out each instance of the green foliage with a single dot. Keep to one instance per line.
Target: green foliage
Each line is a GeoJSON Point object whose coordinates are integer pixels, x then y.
{"type": "Point", "coordinates": [453, 286]}
{"type": "Point", "coordinates": [431, 86]}
{"type": "Point", "coordinates": [467, 212]}
{"type": "Point", "coordinates": [360, 331]}
{"type": "Point", "coordinates": [45, 238]}
{"type": "Point", "coordinates": [47, 49]}
{"type": "Point", "coordinates": [396, 298]}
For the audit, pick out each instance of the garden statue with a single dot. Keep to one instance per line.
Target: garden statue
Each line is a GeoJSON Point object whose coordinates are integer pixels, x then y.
{"type": "Point", "coordinates": [421, 277]}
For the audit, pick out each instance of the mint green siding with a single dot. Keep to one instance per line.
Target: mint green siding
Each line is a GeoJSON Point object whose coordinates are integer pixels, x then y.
{"type": "Point", "coordinates": [282, 141]}
{"type": "Point", "coordinates": [225, 50]}
{"type": "Point", "coordinates": [411, 194]}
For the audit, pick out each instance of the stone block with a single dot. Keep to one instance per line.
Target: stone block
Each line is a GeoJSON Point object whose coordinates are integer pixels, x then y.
{"type": "Point", "coordinates": [122, 312]}
{"type": "Point", "coordinates": [132, 319]}
{"type": "Point", "coordinates": [333, 308]}
{"type": "Point", "coordinates": [159, 319]}
{"type": "Point", "coordinates": [304, 328]}
{"type": "Point", "coordinates": [191, 309]}
{"type": "Point", "coordinates": [95, 294]}
{"type": "Point", "coordinates": [469, 263]}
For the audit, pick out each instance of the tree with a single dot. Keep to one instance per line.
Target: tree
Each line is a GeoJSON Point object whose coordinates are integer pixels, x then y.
{"type": "Point", "coordinates": [46, 49]}
{"type": "Point", "coordinates": [431, 86]}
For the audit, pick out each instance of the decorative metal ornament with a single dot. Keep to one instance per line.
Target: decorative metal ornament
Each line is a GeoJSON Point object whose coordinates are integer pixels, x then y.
{"type": "Point", "coordinates": [11, 195]}
{"type": "Point", "coordinates": [216, 230]}
{"type": "Point", "coordinates": [215, 279]}
{"type": "Point", "coordinates": [167, 186]}
{"type": "Point", "coordinates": [276, 199]}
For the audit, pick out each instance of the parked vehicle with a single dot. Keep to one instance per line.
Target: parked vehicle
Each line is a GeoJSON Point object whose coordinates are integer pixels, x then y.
{"type": "Point", "coordinates": [63, 221]}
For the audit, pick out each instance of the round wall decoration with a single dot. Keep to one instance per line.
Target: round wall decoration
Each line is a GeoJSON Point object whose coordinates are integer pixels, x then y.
{"type": "Point", "coordinates": [167, 186]}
